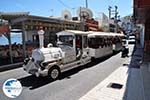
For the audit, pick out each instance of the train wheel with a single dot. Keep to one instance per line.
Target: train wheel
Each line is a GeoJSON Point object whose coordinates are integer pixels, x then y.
{"type": "Point", "coordinates": [54, 72]}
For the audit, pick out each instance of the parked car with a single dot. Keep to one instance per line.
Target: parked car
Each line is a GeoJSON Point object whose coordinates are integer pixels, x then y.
{"type": "Point", "coordinates": [131, 39]}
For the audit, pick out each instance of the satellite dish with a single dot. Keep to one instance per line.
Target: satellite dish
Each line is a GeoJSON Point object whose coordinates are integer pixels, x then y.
{"type": "Point", "coordinates": [84, 13]}
{"type": "Point", "coordinates": [66, 15]}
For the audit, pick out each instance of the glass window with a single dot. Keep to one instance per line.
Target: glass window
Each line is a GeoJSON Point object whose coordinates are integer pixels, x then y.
{"type": "Point", "coordinates": [94, 43]}
{"type": "Point", "coordinates": [68, 40]}
{"type": "Point", "coordinates": [85, 42]}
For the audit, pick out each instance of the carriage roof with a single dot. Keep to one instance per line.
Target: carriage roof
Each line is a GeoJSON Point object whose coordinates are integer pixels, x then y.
{"type": "Point", "coordinates": [88, 33]}
{"type": "Point", "coordinates": [72, 32]}
{"type": "Point", "coordinates": [117, 34]}
{"type": "Point", "coordinates": [109, 34]}
{"type": "Point", "coordinates": [99, 34]}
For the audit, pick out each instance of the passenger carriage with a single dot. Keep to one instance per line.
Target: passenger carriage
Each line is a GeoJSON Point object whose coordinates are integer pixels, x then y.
{"type": "Point", "coordinates": [117, 41]}
{"type": "Point", "coordinates": [100, 44]}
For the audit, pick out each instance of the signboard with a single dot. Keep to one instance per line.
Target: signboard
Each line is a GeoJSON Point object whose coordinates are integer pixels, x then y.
{"type": "Point", "coordinates": [92, 24]}
{"type": "Point", "coordinates": [4, 29]}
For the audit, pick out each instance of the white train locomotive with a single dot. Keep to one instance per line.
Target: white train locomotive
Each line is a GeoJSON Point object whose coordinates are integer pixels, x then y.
{"type": "Point", "coordinates": [74, 48]}
{"type": "Point", "coordinates": [72, 51]}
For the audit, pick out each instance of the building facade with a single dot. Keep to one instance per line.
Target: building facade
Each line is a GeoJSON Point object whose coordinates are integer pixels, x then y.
{"type": "Point", "coordinates": [142, 17]}
{"type": "Point", "coordinates": [29, 26]}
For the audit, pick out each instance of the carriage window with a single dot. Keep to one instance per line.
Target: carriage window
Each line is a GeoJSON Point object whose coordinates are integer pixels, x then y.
{"type": "Point", "coordinates": [93, 43]}
{"type": "Point", "coordinates": [114, 40]}
{"type": "Point", "coordinates": [85, 42]}
{"type": "Point", "coordinates": [117, 40]}
{"type": "Point", "coordinates": [105, 42]}
{"type": "Point", "coordinates": [108, 41]}
{"type": "Point", "coordinates": [90, 42]}
{"type": "Point", "coordinates": [78, 41]}
{"type": "Point", "coordinates": [100, 42]}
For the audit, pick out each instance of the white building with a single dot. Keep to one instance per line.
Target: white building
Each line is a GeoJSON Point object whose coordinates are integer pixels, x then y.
{"type": "Point", "coordinates": [127, 24]}
{"type": "Point", "coordinates": [103, 22]}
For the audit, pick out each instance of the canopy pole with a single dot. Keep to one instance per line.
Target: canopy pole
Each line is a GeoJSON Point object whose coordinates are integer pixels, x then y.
{"type": "Point", "coordinates": [10, 47]}
{"type": "Point", "coordinates": [23, 40]}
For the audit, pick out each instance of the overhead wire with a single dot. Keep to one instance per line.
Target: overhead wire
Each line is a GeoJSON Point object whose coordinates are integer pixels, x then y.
{"type": "Point", "coordinates": [60, 1]}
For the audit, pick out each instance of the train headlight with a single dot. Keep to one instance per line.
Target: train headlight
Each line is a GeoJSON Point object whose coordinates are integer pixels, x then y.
{"type": "Point", "coordinates": [37, 55]}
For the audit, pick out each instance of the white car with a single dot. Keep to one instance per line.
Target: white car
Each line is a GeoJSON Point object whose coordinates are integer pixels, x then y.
{"type": "Point", "coordinates": [131, 40]}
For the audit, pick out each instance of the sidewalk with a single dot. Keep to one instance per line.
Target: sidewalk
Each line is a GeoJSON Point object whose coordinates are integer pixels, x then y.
{"type": "Point", "coordinates": [125, 83]}
{"type": "Point", "coordinates": [145, 72]}
{"type": "Point", "coordinates": [137, 56]}
{"type": "Point", "coordinates": [10, 66]}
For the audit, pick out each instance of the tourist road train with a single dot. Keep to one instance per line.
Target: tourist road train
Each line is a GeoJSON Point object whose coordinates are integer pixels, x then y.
{"type": "Point", "coordinates": [74, 49]}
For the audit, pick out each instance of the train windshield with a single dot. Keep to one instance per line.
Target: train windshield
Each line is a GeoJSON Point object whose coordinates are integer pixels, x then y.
{"type": "Point", "coordinates": [66, 40]}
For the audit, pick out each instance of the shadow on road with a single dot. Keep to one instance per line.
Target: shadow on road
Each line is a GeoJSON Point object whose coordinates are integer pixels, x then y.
{"type": "Point", "coordinates": [33, 82]}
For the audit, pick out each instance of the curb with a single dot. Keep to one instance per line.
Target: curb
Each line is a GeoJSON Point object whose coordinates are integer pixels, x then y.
{"type": "Point", "coordinates": [10, 66]}
{"type": "Point", "coordinates": [142, 82]}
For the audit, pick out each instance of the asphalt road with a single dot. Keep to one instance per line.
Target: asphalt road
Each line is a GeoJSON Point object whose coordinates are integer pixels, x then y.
{"type": "Point", "coordinates": [72, 84]}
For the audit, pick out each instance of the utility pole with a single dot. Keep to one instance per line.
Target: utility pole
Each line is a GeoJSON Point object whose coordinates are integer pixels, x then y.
{"type": "Point", "coordinates": [115, 13]}
{"type": "Point", "coordinates": [86, 2]}
{"type": "Point", "coordinates": [109, 9]}
{"type": "Point", "coordinates": [116, 21]}
{"type": "Point", "coordinates": [1, 19]}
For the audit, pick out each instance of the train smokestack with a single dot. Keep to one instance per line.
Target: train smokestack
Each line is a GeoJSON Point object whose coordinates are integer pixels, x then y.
{"type": "Point", "coordinates": [41, 38]}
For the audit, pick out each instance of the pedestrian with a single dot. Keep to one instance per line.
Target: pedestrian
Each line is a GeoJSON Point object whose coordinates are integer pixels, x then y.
{"type": "Point", "coordinates": [125, 51]}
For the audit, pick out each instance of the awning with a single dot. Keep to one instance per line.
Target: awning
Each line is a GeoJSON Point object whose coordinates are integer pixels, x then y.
{"type": "Point", "coordinates": [93, 28]}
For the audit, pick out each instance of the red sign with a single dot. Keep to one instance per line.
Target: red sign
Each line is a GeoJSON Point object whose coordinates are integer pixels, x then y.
{"type": "Point", "coordinates": [4, 29]}
{"type": "Point", "coordinates": [92, 24]}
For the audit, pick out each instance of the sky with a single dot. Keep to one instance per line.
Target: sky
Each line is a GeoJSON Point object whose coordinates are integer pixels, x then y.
{"type": "Point", "coordinates": [55, 7]}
